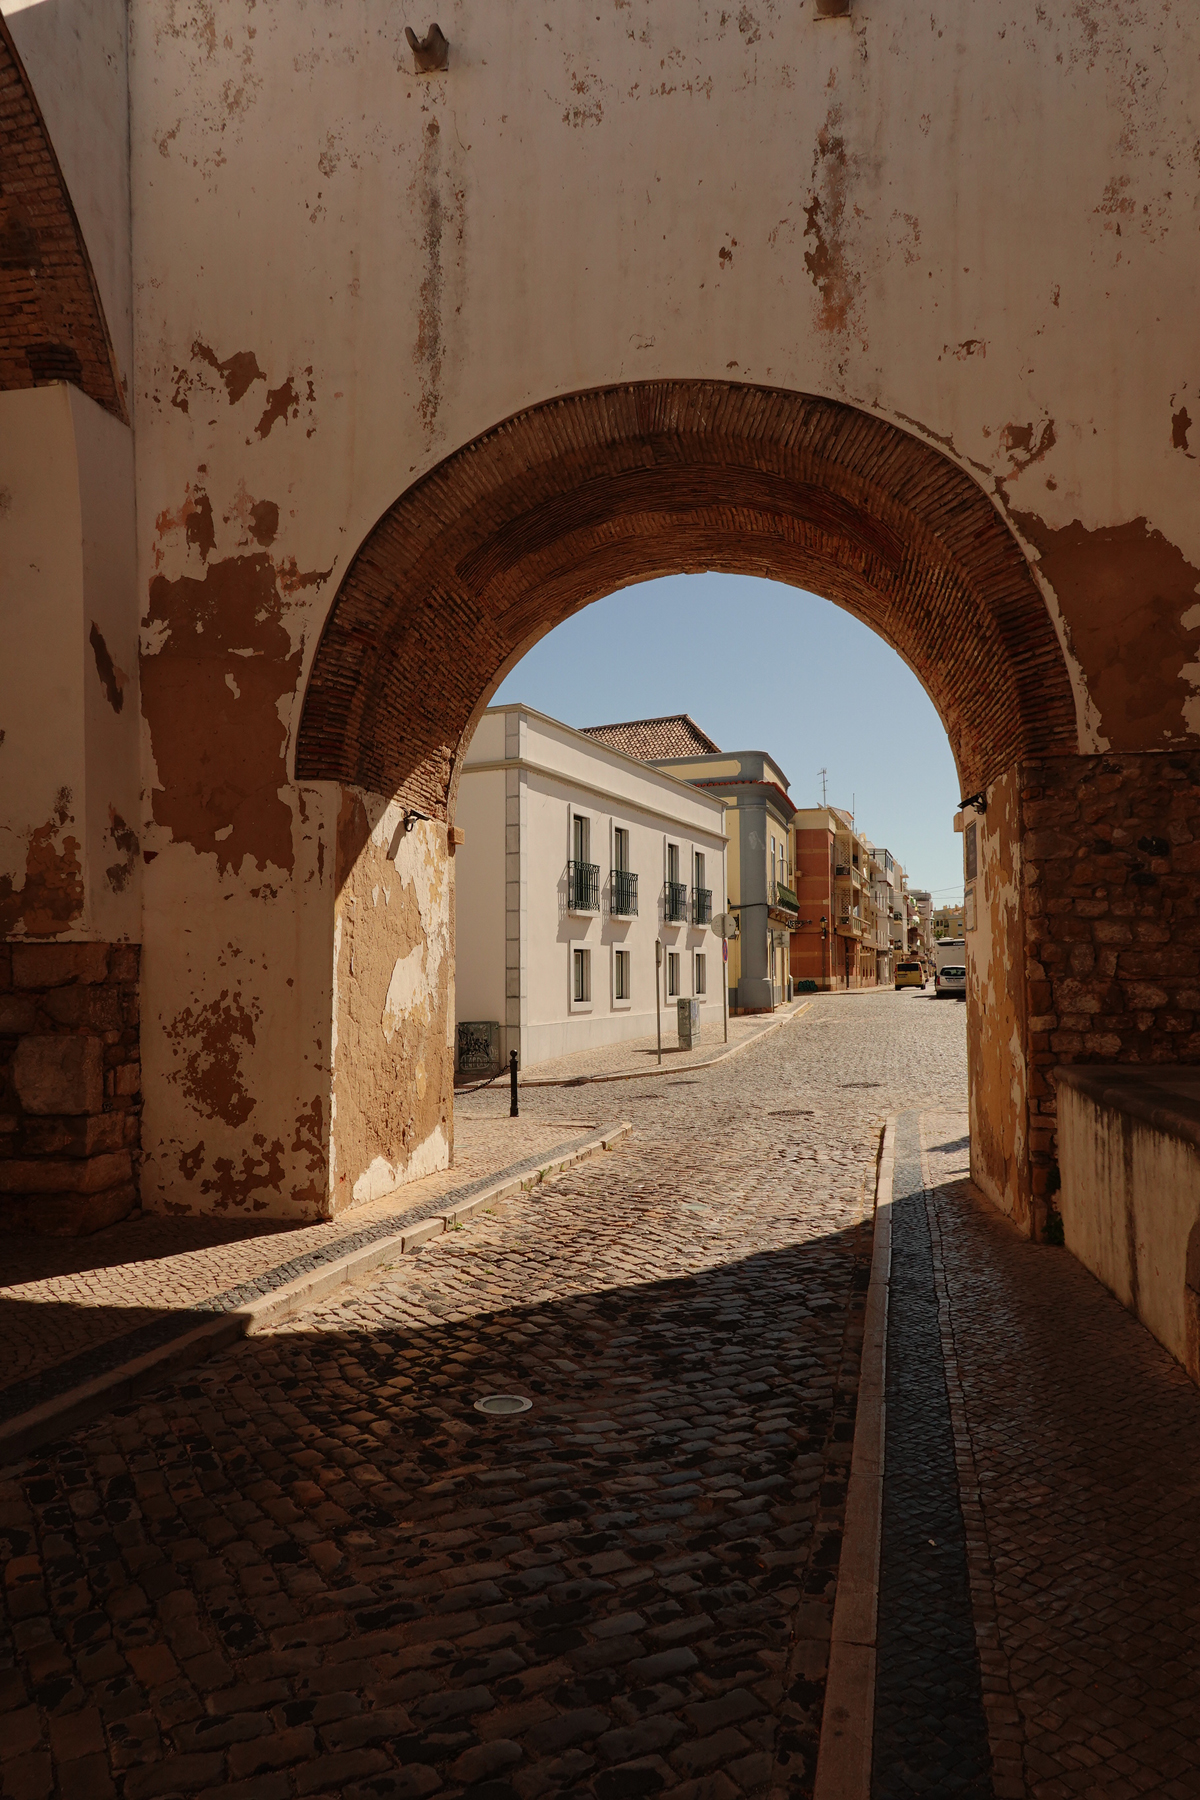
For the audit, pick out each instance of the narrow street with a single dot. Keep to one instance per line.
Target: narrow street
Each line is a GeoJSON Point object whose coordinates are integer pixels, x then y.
{"type": "Point", "coordinates": [313, 1567]}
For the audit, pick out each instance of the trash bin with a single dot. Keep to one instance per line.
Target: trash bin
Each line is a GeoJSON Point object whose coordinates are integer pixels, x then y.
{"type": "Point", "coordinates": [689, 1023]}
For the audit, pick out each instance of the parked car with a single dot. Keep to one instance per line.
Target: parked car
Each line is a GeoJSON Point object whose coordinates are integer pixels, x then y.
{"type": "Point", "coordinates": [910, 974]}
{"type": "Point", "coordinates": [950, 983]}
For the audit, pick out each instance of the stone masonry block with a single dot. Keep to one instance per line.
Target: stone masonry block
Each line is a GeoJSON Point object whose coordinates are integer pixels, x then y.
{"type": "Point", "coordinates": [91, 1007]}
{"type": "Point", "coordinates": [59, 1074]}
{"type": "Point", "coordinates": [127, 1079]}
{"type": "Point", "coordinates": [83, 1135]}
{"type": "Point", "coordinates": [47, 1175]}
{"type": "Point", "coordinates": [17, 1015]}
{"type": "Point", "coordinates": [54, 965]}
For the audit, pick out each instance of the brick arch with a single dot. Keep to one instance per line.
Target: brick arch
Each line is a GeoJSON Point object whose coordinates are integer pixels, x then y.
{"type": "Point", "coordinates": [579, 496]}
{"type": "Point", "coordinates": [52, 325]}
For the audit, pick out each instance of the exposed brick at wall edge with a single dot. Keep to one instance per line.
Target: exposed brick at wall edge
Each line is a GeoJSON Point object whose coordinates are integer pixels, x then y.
{"type": "Point", "coordinates": [70, 1086]}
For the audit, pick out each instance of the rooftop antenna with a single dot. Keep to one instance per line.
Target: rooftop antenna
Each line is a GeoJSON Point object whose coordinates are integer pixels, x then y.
{"type": "Point", "coordinates": [823, 773]}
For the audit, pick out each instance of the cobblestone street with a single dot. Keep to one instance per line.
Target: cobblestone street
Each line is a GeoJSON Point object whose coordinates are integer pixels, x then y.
{"type": "Point", "coordinates": [314, 1568]}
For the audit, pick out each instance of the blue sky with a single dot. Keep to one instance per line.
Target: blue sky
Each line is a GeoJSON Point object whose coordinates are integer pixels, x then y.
{"type": "Point", "coordinates": [761, 666]}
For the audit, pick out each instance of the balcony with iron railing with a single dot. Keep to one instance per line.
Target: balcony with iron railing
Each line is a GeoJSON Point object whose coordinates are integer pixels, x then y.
{"type": "Point", "coordinates": [675, 899]}
{"type": "Point", "coordinates": [583, 887]}
{"type": "Point", "coordinates": [622, 894]}
{"type": "Point", "coordinates": [701, 906]}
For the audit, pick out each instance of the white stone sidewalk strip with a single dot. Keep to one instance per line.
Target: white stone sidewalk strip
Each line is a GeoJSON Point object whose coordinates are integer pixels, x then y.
{"type": "Point", "coordinates": [61, 1412]}
{"type": "Point", "coordinates": [847, 1722]}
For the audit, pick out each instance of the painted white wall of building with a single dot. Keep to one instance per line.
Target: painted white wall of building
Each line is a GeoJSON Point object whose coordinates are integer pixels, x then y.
{"type": "Point", "coordinates": [564, 774]}
{"type": "Point", "coordinates": [479, 886]}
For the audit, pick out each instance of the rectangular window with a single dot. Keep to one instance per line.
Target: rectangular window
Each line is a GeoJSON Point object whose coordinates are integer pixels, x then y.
{"type": "Point", "coordinates": [621, 975]}
{"type": "Point", "coordinates": [972, 852]}
{"type": "Point", "coordinates": [581, 975]}
{"type": "Point", "coordinates": [672, 974]}
{"type": "Point", "coordinates": [580, 836]}
{"type": "Point", "coordinates": [673, 862]}
{"type": "Point", "coordinates": [621, 849]}
{"type": "Point", "coordinates": [701, 973]}
{"type": "Point", "coordinates": [698, 877]}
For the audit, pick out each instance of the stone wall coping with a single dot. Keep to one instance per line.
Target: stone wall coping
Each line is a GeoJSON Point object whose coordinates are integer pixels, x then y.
{"type": "Point", "coordinates": [1167, 1099]}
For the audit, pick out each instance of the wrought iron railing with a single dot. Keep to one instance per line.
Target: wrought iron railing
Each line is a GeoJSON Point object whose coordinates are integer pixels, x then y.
{"type": "Point", "coordinates": [675, 902]}
{"type": "Point", "coordinates": [701, 906]}
{"type": "Point", "coordinates": [583, 887]}
{"type": "Point", "coordinates": [623, 891]}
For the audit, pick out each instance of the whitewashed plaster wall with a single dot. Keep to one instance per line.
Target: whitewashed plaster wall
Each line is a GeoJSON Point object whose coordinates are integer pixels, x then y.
{"type": "Point", "coordinates": [69, 856]}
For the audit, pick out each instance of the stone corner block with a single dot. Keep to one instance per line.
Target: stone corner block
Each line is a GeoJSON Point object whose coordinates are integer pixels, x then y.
{"type": "Point", "coordinates": [59, 1074]}
{"type": "Point", "coordinates": [54, 965]}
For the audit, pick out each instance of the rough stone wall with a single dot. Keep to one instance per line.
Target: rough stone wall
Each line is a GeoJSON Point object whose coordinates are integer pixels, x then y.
{"type": "Point", "coordinates": [1110, 860]}
{"type": "Point", "coordinates": [70, 1086]}
{"type": "Point", "coordinates": [393, 1039]}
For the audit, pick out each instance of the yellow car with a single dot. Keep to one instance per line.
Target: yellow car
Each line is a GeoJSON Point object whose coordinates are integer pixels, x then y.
{"type": "Point", "coordinates": [909, 974]}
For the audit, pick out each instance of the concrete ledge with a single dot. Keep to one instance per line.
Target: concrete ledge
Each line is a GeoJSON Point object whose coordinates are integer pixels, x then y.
{"type": "Point", "coordinates": [1166, 1099]}
{"type": "Point", "coordinates": [848, 1718]}
{"type": "Point", "coordinates": [64, 1412]}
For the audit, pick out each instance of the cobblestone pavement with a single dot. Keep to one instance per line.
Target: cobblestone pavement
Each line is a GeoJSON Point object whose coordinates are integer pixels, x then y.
{"type": "Point", "coordinates": [63, 1297]}
{"type": "Point", "coordinates": [1078, 1443]}
{"type": "Point", "coordinates": [315, 1569]}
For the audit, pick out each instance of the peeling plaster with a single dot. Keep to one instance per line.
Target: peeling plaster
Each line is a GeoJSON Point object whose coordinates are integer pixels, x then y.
{"type": "Point", "coordinates": [219, 746]}
{"type": "Point", "coordinates": [393, 1005]}
{"type": "Point", "coordinates": [1126, 596]}
{"type": "Point", "coordinates": [209, 1041]}
{"type": "Point", "coordinates": [51, 898]}
{"type": "Point", "coordinates": [996, 1023]}
{"type": "Point", "coordinates": [112, 679]}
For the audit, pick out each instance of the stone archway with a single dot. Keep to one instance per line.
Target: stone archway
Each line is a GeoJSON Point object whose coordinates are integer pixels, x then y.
{"type": "Point", "coordinates": [575, 498]}
{"type": "Point", "coordinates": [582, 495]}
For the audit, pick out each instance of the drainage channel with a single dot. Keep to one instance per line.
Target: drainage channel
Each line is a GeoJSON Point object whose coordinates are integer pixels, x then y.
{"type": "Point", "coordinates": [930, 1727]}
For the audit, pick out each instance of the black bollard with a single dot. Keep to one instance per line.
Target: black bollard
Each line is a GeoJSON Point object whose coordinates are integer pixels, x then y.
{"type": "Point", "coordinates": [512, 1077]}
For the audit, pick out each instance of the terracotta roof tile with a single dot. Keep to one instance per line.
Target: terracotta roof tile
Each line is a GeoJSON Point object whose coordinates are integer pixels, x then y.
{"type": "Point", "coordinates": [655, 740]}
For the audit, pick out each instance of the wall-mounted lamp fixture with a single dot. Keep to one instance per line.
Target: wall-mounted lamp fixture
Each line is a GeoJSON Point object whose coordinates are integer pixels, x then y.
{"type": "Point", "coordinates": [413, 817]}
{"type": "Point", "coordinates": [431, 54]}
{"type": "Point", "coordinates": [977, 802]}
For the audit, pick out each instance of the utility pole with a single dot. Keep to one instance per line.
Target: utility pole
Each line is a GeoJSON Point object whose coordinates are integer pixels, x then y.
{"type": "Point", "coordinates": [658, 958]}
{"type": "Point", "coordinates": [823, 773]}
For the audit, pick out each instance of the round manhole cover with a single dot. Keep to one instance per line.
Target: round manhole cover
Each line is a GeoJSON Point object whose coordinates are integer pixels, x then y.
{"type": "Point", "coordinates": [499, 1405]}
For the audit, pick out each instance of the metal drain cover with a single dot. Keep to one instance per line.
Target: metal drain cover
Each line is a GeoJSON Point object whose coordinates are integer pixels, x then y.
{"type": "Point", "coordinates": [498, 1405]}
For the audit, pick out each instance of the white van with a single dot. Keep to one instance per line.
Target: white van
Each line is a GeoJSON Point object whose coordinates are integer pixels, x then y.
{"type": "Point", "coordinates": [950, 981]}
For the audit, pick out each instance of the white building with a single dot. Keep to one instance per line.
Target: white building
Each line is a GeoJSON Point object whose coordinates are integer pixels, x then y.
{"type": "Point", "coordinates": [577, 860]}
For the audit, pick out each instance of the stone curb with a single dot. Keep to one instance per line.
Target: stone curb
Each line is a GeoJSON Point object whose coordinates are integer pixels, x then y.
{"type": "Point", "coordinates": [56, 1417]}
{"type": "Point", "coordinates": [847, 1722]}
{"type": "Point", "coordinates": [674, 1068]}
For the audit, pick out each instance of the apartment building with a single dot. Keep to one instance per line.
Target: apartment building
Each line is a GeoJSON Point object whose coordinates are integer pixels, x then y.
{"type": "Point", "coordinates": [758, 820]}
{"type": "Point", "coordinates": [578, 862]}
{"type": "Point", "coordinates": [948, 922]}
{"type": "Point", "coordinates": [843, 932]}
